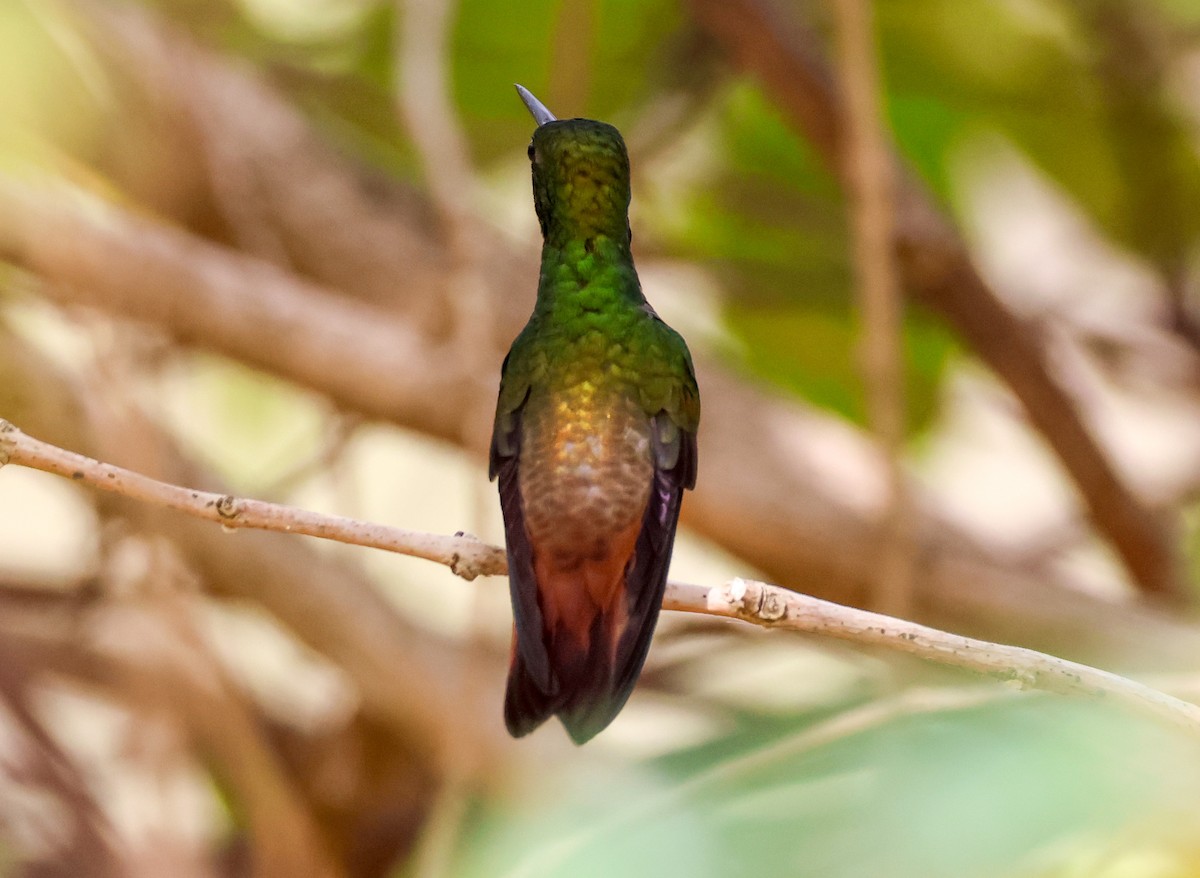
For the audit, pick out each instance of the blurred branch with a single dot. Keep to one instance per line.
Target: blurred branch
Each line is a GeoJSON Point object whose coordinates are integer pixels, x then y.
{"type": "Point", "coordinates": [1152, 143]}
{"type": "Point", "coordinates": [201, 293]}
{"type": "Point", "coordinates": [365, 235]}
{"type": "Point", "coordinates": [426, 102]}
{"type": "Point", "coordinates": [80, 843]}
{"type": "Point", "coordinates": [750, 601]}
{"type": "Point", "coordinates": [125, 650]}
{"type": "Point", "coordinates": [809, 498]}
{"type": "Point", "coordinates": [424, 98]}
{"type": "Point", "coordinates": [405, 675]}
{"type": "Point", "coordinates": [868, 170]}
{"type": "Point", "coordinates": [175, 671]}
{"type": "Point", "coordinates": [434, 851]}
{"type": "Point", "coordinates": [937, 267]}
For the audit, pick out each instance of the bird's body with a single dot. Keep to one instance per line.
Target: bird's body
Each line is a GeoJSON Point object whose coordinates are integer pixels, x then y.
{"type": "Point", "coordinates": [594, 443]}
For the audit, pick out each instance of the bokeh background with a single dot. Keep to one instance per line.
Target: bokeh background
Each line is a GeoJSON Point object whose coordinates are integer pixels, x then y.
{"type": "Point", "coordinates": [279, 248]}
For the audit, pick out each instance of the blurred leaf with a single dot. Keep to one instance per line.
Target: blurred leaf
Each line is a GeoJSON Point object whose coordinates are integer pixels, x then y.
{"type": "Point", "coordinates": [52, 95]}
{"type": "Point", "coordinates": [812, 351]}
{"type": "Point", "coordinates": [969, 792]}
{"type": "Point", "coordinates": [247, 425]}
{"type": "Point", "coordinates": [1073, 86]}
{"type": "Point", "coordinates": [623, 41]}
{"type": "Point", "coordinates": [772, 224]}
{"type": "Point", "coordinates": [993, 64]}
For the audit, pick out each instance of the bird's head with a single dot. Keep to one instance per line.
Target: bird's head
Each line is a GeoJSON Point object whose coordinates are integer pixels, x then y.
{"type": "Point", "coordinates": [580, 177]}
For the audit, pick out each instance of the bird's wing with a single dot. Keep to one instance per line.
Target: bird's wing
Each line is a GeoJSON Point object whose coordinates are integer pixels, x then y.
{"type": "Point", "coordinates": [504, 464]}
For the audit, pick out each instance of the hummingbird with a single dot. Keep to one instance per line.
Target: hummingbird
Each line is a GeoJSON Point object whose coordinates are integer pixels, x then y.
{"type": "Point", "coordinates": [593, 444]}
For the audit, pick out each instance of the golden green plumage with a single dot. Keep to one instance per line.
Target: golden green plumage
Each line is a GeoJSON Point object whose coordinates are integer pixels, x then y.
{"type": "Point", "coordinates": [594, 444]}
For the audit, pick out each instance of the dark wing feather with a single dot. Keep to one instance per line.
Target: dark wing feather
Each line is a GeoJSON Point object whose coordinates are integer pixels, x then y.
{"type": "Point", "coordinates": [526, 706]}
{"type": "Point", "coordinates": [652, 555]}
{"type": "Point", "coordinates": [504, 464]}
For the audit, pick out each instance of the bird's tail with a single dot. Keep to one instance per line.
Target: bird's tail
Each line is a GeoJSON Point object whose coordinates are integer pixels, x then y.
{"type": "Point", "coordinates": [589, 687]}
{"type": "Point", "coordinates": [598, 622]}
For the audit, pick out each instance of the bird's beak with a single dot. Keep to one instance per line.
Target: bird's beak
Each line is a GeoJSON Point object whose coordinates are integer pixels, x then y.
{"type": "Point", "coordinates": [536, 108]}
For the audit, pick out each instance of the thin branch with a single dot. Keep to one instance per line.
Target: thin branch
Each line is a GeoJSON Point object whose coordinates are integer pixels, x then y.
{"type": "Point", "coordinates": [154, 675]}
{"type": "Point", "coordinates": [189, 681]}
{"type": "Point", "coordinates": [85, 837]}
{"type": "Point", "coordinates": [869, 175]}
{"type": "Point", "coordinates": [774, 607]}
{"type": "Point", "coordinates": [463, 554]}
{"type": "Point", "coordinates": [750, 601]}
{"type": "Point", "coordinates": [368, 238]}
{"type": "Point", "coordinates": [423, 98]}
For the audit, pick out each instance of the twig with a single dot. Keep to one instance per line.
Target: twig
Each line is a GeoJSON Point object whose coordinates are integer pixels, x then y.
{"type": "Point", "coordinates": [434, 851]}
{"type": "Point", "coordinates": [424, 97]}
{"type": "Point", "coordinates": [750, 601]}
{"type": "Point", "coordinates": [149, 657]}
{"type": "Point", "coordinates": [373, 243]}
{"type": "Point", "coordinates": [343, 428]}
{"type": "Point", "coordinates": [775, 607]}
{"type": "Point", "coordinates": [188, 679]}
{"type": "Point", "coordinates": [83, 842]}
{"type": "Point", "coordinates": [463, 554]}
{"type": "Point", "coordinates": [869, 175]}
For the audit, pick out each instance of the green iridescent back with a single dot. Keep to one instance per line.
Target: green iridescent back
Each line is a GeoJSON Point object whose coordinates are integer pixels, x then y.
{"type": "Point", "coordinates": [590, 312]}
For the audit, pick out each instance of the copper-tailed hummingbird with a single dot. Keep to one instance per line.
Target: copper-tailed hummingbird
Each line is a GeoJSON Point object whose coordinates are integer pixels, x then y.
{"type": "Point", "coordinates": [594, 443]}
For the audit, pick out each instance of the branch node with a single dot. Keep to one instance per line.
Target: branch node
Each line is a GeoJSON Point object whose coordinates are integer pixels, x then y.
{"type": "Point", "coordinates": [8, 441]}
{"type": "Point", "coordinates": [771, 606]}
{"type": "Point", "coordinates": [229, 507]}
{"type": "Point", "coordinates": [737, 593]}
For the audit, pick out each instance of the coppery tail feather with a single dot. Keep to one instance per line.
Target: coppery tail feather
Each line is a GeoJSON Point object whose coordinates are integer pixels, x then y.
{"type": "Point", "coordinates": [595, 706]}
{"type": "Point", "coordinates": [587, 689]}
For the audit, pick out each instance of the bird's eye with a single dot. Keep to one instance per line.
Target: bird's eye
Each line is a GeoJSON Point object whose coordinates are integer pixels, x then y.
{"type": "Point", "coordinates": [531, 152]}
